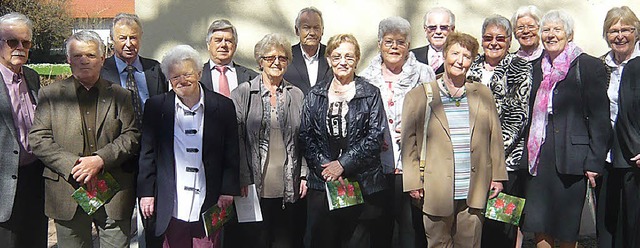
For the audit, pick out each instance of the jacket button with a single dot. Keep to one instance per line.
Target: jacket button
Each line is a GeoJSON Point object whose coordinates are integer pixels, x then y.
{"type": "Point", "coordinates": [390, 121]}
{"type": "Point", "coordinates": [473, 168]}
{"type": "Point", "coordinates": [14, 177]}
{"type": "Point", "coordinates": [555, 91]}
{"type": "Point", "coordinates": [15, 152]}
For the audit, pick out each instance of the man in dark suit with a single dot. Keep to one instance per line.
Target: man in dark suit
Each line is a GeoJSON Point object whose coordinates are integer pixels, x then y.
{"type": "Point", "coordinates": [22, 219]}
{"type": "Point", "coordinates": [220, 73]}
{"type": "Point", "coordinates": [190, 153]}
{"type": "Point", "coordinates": [85, 127]}
{"type": "Point", "coordinates": [126, 34]}
{"type": "Point", "coordinates": [438, 23]}
{"type": "Point", "coordinates": [309, 64]}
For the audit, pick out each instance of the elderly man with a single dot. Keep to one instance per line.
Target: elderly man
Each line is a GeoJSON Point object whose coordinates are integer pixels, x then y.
{"type": "Point", "coordinates": [22, 220]}
{"type": "Point", "coordinates": [85, 126]}
{"type": "Point", "coordinates": [220, 73]}
{"type": "Point", "coordinates": [438, 23]}
{"type": "Point", "coordinates": [143, 77]}
{"type": "Point", "coordinates": [180, 173]}
{"type": "Point", "coordinates": [309, 65]}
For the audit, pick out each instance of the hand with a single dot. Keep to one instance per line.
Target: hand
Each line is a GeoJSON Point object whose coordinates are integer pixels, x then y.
{"type": "Point", "coordinates": [244, 191]}
{"type": "Point", "coordinates": [87, 168]}
{"type": "Point", "coordinates": [224, 201]}
{"type": "Point", "coordinates": [496, 188]}
{"type": "Point", "coordinates": [303, 188]}
{"type": "Point", "coordinates": [332, 170]}
{"type": "Point", "coordinates": [592, 177]}
{"type": "Point", "coordinates": [417, 194]}
{"type": "Point", "coordinates": [637, 160]}
{"type": "Point", "coordinates": [146, 205]}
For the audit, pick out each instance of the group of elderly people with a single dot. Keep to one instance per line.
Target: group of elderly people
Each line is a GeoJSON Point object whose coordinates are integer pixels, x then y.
{"type": "Point", "coordinates": [429, 134]}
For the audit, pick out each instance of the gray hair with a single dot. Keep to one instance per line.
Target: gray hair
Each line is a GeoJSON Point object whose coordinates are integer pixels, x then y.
{"type": "Point", "coordinates": [558, 16]}
{"type": "Point", "coordinates": [221, 24]}
{"type": "Point", "coordinates": [87, 37]}
{"type": "Point", "coordinates": [178, 54]}
{"type": "Point", "coordinates": [394, 24]}
{"type": "Point", "coordinates": [443, 10]}
{"type": "Point", "coordinates": [128, 19]}
{"type": "Point", "coordinates": [269, 42]}
{"type": "Point", "coordinates": [309, 9]}
{"type": "Point", "coordinates": [529, 10]}
{"type": "Point", "coordinates": [14, 18]}
{"type": "Point", "coordinates": [498, 21]}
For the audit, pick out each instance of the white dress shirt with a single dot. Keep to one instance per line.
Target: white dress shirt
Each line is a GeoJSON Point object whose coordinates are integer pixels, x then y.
{"type": "Point", "coordinates": [433, 55]}
{"type": "Point", "coordinates": [232, 76]}
{"type": "Point", "coordinates": [312, 65]}
{"type": "Point", "coordinates": [187, 149]}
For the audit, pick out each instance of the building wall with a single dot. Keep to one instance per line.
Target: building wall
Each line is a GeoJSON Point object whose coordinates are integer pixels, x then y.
{"type": "Point", "coordinates": [171, 22]}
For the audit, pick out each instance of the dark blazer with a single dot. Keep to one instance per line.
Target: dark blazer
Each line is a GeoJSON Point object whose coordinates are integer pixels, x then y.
{"type": "Point", "coordinates": [422, 53]}
{"type": "Point", "coordinates": [580, 144]}
{"type": "Point", "coordinates": [297, 72]}
{"type": "Point", "coordinates": [626, 142]}
{"type": "Point", "coordinates": [220, 153]}
{"type": "Point", "coordinates": [156, 80]}
{"type": "Point", "coordinates": [244, 74]}
{"type": "Point", "coordinates": [10, 150]}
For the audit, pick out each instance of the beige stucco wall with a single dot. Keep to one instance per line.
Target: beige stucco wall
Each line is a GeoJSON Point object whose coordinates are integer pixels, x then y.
{"type": "Point", "coordinates": [172, 22]}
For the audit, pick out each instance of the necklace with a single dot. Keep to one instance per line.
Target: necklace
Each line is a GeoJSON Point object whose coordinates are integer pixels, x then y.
{"type": "Point", "coordinates": [448, 94]}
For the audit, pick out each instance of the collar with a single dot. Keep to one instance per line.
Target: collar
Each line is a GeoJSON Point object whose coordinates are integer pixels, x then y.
{"type": "Point", "coordinates": [230, 66]}
{"type": "Point", "coordinates": [122, 66]}
{"type": "Point", "coordinates": [307, 57]}
{"type": "Point", "coordinates": [529, 56]}
{"type": "Point", "coordinates": [7, 74]}
{"type": "Point", "coordinates": [612, 63]}
{"type": "Point", "coordinates": [180, 105]}
{"type": "Point", "coordinates": [433, 50]}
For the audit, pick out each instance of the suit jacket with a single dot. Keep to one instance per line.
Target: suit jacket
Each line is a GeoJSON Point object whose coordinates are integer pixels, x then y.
{"type": "Point", "coordinates": [626, 141]}
{"type": "Point", "coordinates": [422, 53]}
{"type": "Point", "coordinates": [297, 72]}
{"type": "Point", "coordinates": [56, 138]}
{"type": "Point", "coordinates": [156, 80]}
{"type": "Point", "coordinates": [10, 150]}
{"type": "Point", "coordinates": [220, 153]}
{"type": "Point", "coordinates": [243, 74]}
{"type": "Point", "coordinates": [487, 151]}
{"type": "Point", "coordinates": [581, 143]}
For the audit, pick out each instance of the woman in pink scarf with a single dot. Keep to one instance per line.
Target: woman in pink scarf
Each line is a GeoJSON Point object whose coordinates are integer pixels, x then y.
{"type": "Point", "coordinates": [568, 134]}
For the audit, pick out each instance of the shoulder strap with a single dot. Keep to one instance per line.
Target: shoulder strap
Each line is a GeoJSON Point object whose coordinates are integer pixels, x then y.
{"type": "Point", "coordinates": [427, 114]}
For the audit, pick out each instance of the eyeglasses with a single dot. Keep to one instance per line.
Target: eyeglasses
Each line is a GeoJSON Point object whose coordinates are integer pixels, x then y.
{"type": "Point", "coordinates": [271, 59]}
{"type": "Point", "coordinates": [622, 31]}
{"type": "Point", "coordinates": [433, 28]}
{"type": "Point", "coordinates": [350, 59]}
{"type": "Point", "coordinates": [521, 28]}
{"type": "Point", "coordinates": [498, 38]}
{"type": "Point", "coordinates": [13, 43]}
{"type": "Point", "coordinates": [182, 76]}
{"type": "Point", "coordinates": [399, 43]}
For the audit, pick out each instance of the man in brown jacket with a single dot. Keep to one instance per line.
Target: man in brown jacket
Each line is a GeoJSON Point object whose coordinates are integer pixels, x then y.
{"type": "Point", "coordinates": [85, 126]}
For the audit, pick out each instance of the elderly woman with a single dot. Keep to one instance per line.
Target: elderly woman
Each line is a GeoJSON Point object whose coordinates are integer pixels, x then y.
{"type": "Point", "coordinates": [463, 157]}
{"type": "Point", "coordinates": [618, 191]}
{"type": "Point", "coordinates": [568, 134]}
{"type": "Point", "coordinates": [268, 112]}
{"type": "Point", "coordinates": [182, 172]}
{"type": "Point", "coordinates": [526, 22]}
{"type": "Point", "coordinates": [342, 132]}
{"type": "Point", "coordinates": [395, 71]}
{"type": "Point", "coordinates": [509, 78]}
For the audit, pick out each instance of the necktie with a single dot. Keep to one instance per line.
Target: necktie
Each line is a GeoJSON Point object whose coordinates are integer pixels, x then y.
{"type": "Point", "coordinates": [16, 78]}
{"type": "Point", "coordinates": [135, 95]}
{"type": "Point", "coordinates": [436, 60]}
{"type": "Point", "coordinates": [223, 82]}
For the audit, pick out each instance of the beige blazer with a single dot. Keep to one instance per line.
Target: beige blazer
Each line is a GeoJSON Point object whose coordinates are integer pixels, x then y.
{"type": "Point", "coordinates": [56, 137]}
{"type": "Point", "coordinates": [487, 150]}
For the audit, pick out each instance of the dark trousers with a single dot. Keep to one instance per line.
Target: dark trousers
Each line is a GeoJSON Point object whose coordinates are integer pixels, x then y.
{"type": "Point", "coordinates": [404, 228]}
{"type": "Point", "coordinates": [618, 207]}
{"type": "Point", "coordinates": [496, 234]}
{"type": "Point", "coordinates": [150, 238]}
{"type": "Point", "coordinates": [182, 234]}
{"type": "Point", "coordinates": [27, 226]}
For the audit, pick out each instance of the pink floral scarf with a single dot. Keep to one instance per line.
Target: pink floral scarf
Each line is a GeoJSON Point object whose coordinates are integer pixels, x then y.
{"type": "Point", "coordinates": [553, 72]}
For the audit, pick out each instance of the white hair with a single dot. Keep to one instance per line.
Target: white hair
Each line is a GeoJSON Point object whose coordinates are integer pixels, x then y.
{"type": "Point", "coordinates": [87, 37]}
{"type": "Point", "coordinates": [394, 24]}
{"type": "Point", "coordinates": [558, 16]}
{"type": "Point", "coordinates": [529, 10]}
{"type": "Point", "coordinates": [178, 54]}
{"type": "Point", "coordinates": [16, 18]}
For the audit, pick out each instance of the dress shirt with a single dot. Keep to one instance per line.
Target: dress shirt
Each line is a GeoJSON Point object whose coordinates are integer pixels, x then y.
{"type": "Point", "coordinates": [232, 76]}
{"type": "Point", "coordinates": [312, 65]}
{"type": "Point", "coordinates": [23, 108]}
{"type": "Point", "coordinates": [187, 149]}
{"type": "Point", "coordinates": [141, 80]}
{"type": "Point", "coordinates": [88, 103]}
{"type": "Point", "coordinates": [432, 55]}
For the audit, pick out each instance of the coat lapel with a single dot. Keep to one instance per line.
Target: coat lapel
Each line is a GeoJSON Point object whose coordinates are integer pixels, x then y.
{"type": "Point", "coordinates": [151, 75]}
{"type": "Point", "coordinates": [5, 108]}
{"type": "Point", "coordinates": [210, 110]}
{"type": "Point", "coordinates": [474, 104]}
{"type": "Point", "coordinates": [300, 66]}
{"type": "Point", "coordinates": [205, 80]}
{"type": "Point", "coordinates": [438, 109]}
{"type": "Point", "coordinates": [105, 99]}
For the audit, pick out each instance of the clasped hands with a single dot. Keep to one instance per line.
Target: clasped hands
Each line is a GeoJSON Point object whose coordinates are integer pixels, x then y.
{"type": "Point", "coordinates": [332, 171]}
{"type": "Point", "coordinates": [86, 169]}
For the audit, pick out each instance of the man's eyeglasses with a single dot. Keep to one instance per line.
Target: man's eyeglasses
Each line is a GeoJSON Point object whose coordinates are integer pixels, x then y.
{"type": "Point", "coordinates": [271, 59]}
{"type": "Point", "coordinates": [623, 31]}
{"type": "Point", "coordinates": [399, 43]}
{"type": "Point", "coordinates": [350, 59]}
{"type": "Point", "coordinates": [433, 28]}
{"type": "Point", "coordinates": [13, 43]}
{"type": "Point", "coordinates": [498, 38]}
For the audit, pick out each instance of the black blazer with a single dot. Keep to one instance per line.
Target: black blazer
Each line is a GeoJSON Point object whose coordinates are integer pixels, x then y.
{"type": "Point", "coordinates": [422, 53]}
{"type": "Point", "coordinates": [243, 74]}
{"type": "Point", "coordinates": [219, 153]}
{"type": "Point", "coordinates": [297, 73]}
{"type": "Point", "coordinates": [626, 141]}
{"type": "Point", "coordinates": [156, 80]}
{"type": "Point", "coordinates": [580, 144]}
